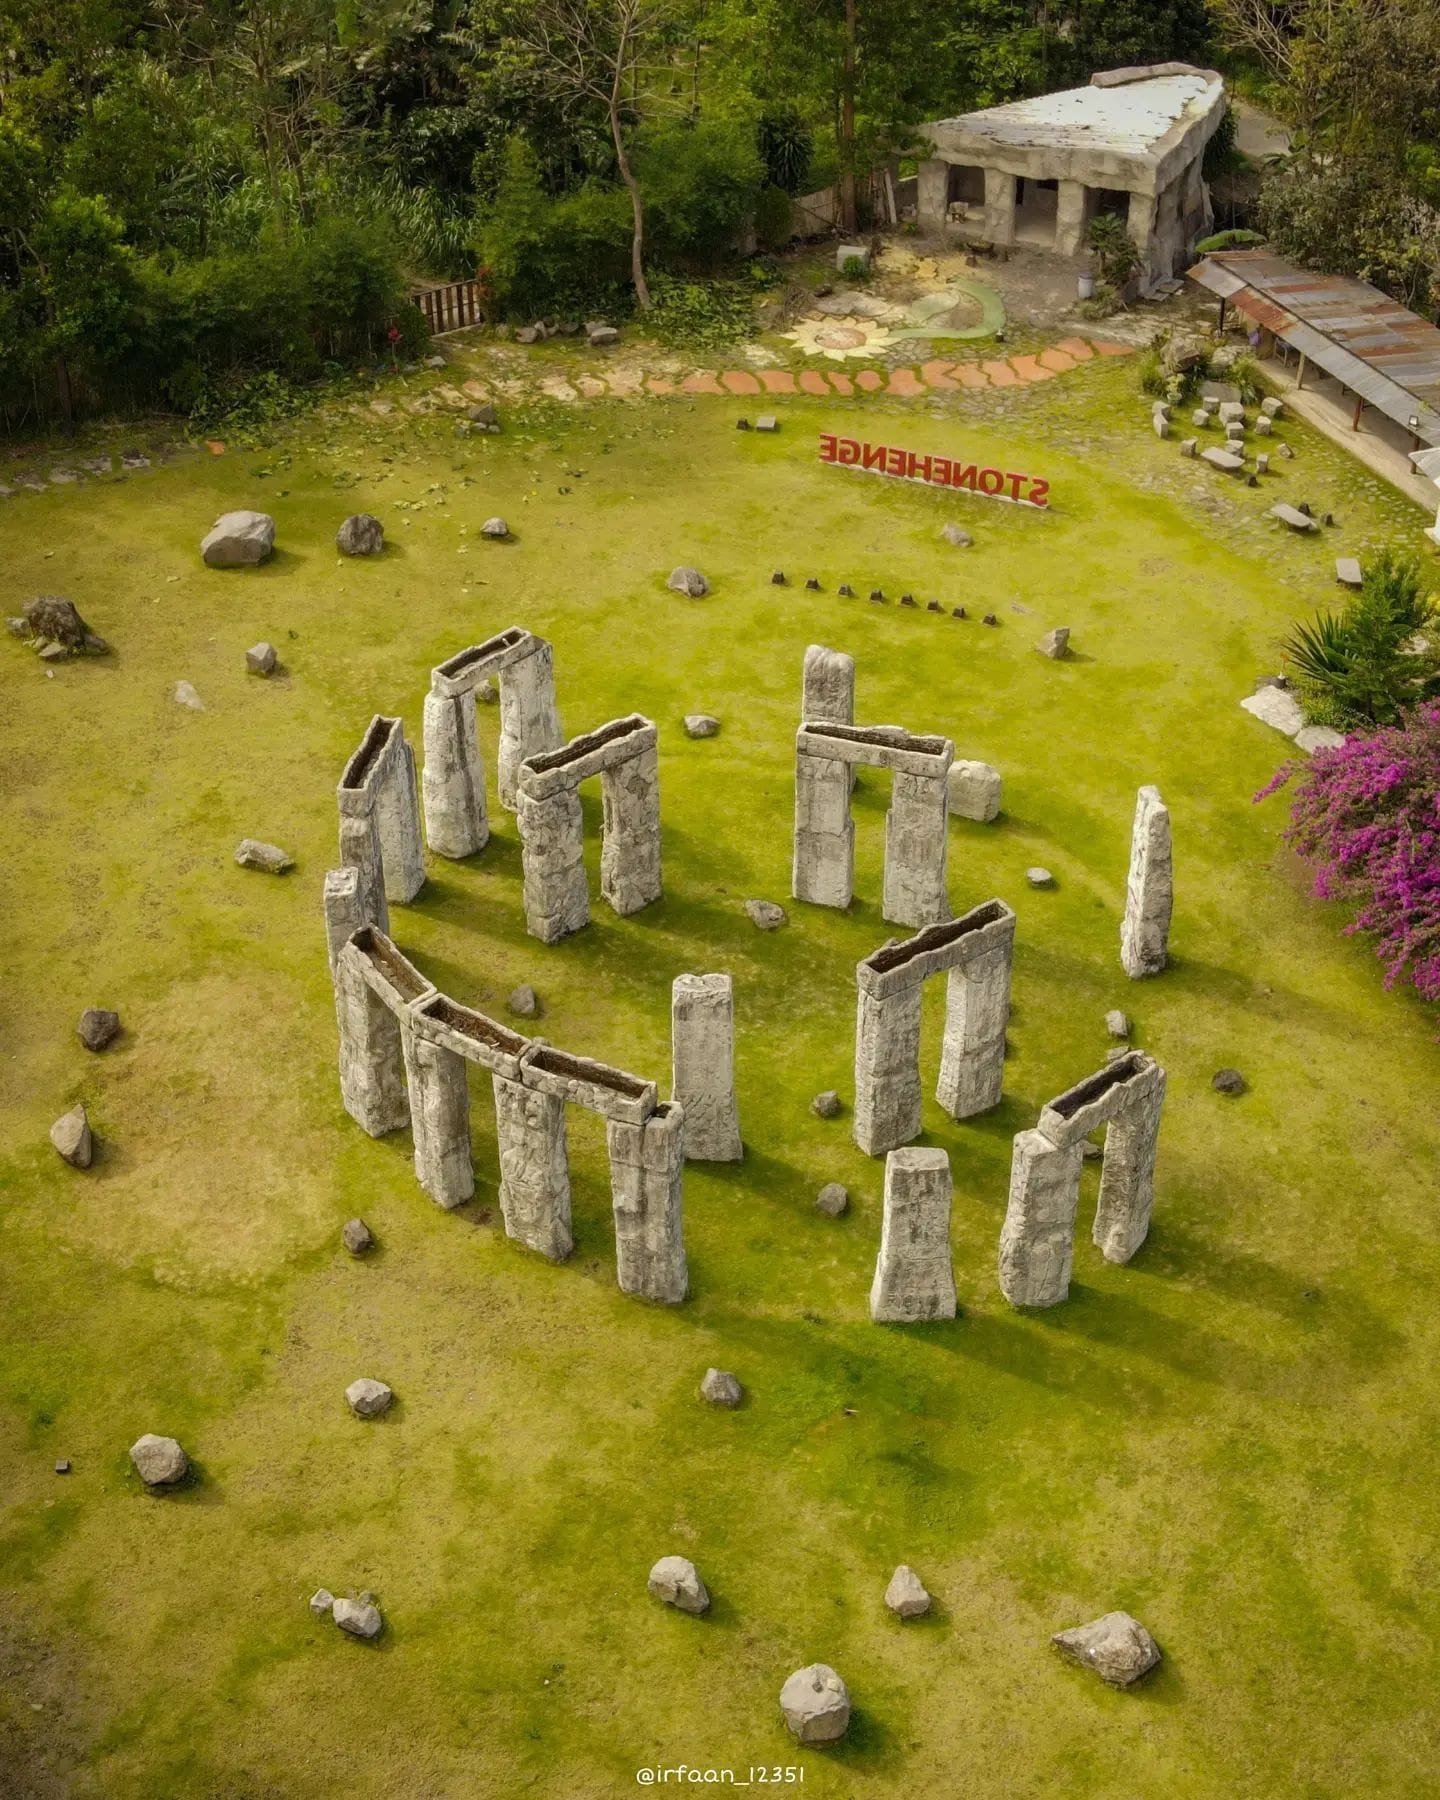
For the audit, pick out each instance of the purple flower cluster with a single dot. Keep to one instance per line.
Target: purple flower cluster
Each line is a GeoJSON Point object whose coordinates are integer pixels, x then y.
{"type": "Point", "coordinates": [1366, 816]}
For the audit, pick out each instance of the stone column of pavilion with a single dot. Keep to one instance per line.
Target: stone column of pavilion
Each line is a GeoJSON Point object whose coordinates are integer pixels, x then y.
{"type": "Point", "coordinates": [914, 1279]}
{"type": "Point", "coordinates": [702, 1040]}
{"type": "Point", "coordinates": [1037, 1239]}
{"type": "Point", "coordinates": [1149, 889]}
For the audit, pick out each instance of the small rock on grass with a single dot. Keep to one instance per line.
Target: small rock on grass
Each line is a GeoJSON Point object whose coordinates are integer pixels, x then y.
{"type": "Point", "coordinates": [826, 1105]}
{"type": "Point", "coordinates": [322, 1602]}
{"type": "Point", "coordinates": [185, 695]}
{"type": "Point", "coordinates": [159, 1461]}
{"type": "Point", "coordinates": [1117, 1024]}
{"type": "Point", "coordinates": [357, 1237]}
{"type": "Point", "coordinates": [1228, 1081]}
{"type": "Point", "coordinates": [765, 915]}
{"type": "Point", "coordinates": [250, 853]}
{"type": "Point", "coordinates": [833, 1199]}
{"type": "Point", "coordinates": [367, 1399]}
{"type": "Point", "coordinates": [1038, 877]}
{"type": "Point", "coordinates": [701, 725]}
{"type": "Point", "coordinates": [260, 659]}
{"type": "Point", "coordinates": [1118, 1648]}
{"type": "Point", "coordinates": [98, 1028]}
{"type": "Point", "coordinates": [906, 1596]}
{"type": "Point", "coordinates": [72, 1138]}
{"type": "Point", "coordinates": [675, 1580]}
{"type": "Point", "coordinates": [720, 1388]}
{"type": "Point", "coordinates": [359, 1618]}
{"type": "Point", "coordinates": [688, 581]}
{"type": "Point", "coordinates": [524, 1002]}
{"type": "Point", "coordinates": [816, 1704]}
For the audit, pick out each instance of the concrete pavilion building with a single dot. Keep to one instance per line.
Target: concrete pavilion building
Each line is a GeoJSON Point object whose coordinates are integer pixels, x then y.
{"type": "Point", "coordinates": [1036, 172]}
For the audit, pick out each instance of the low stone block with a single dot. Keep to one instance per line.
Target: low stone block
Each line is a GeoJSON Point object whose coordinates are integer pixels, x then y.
{"type": "Point", "coordinates": [816, 1705]}
{"type": "Point", "coordinates": [1118, 1648]}
{"type": "Point", "coordinates": [260, 659]}
{"type": "Point", "coordinates": [973, 791]}
{"type": "Point", "coordinates": [676, 1581]}
{"type": "Point", "coordinates": [250, 853]}
{"type": "Point", "coordinates": [688, 581]}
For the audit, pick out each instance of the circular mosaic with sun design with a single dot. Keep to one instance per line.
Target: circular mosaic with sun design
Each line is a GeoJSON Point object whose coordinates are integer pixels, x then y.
{"type": "Point", "coordinates": [839, 338]}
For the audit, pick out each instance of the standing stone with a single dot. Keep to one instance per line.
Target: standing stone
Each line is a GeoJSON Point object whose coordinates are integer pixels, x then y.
{"type": "Point", "coordinates": [456, 819]}
{"type": "Point", "coordinates": [534, 1168]}
{"type": "Point", "coordinates": [972, 1051]}
{"type": "Point", "coordinates": [646, 1174]}
{"type": "Point", "coordinates": [906, 1596]}
{"type": "Point", "coordinates": [440, 1119]}
{"type": "Point", "coordinates": [1037, 1240]}
{"type": "Point", "coordinates": [159, 1461]}
{"type": "Point", "coordinates": [913, 1275]}
{"type": "Point", "coordinates": [1127, 1180]}
{"type": "Point", "coordinates": [343, 913]}
{"type": "Point", "coordinates": [916, 849]}
{"type": "Point", "coordinates": [1149, 891]}
{"type": "Point", "coordinates": [372, 1087]}
{"type": "Point", "coordinates": [630, 838]}
{"type": "Point", "coordinates": [676, 1581]}
{"type": "Point", "coordinates": [397, 817]}
{"type": "Point", "coordinates": [816, 1705]}
{"type": "Point", "coordinates": [260, 659]}
{"type": "Point", "coordinates": [357, 1237]}
{"type": "Point", "coordinates": [887, 1063]}
{"type": "Point", "coordinates": [823, 871]}
{"type": "Point", "coordinates": [360, 850]}
{"type": "Point", "coordinates": [702, 1034]}
{"type": "Point", "coordinates": [529, 718]}
{"type": "Point", "coordinates": [73, 1139]}
{"type": "Point", "coordinates": [973, 791]}
{"type": "Point", "coordinates": [556, 892]}
{"type": "Point", "coordinates": [1118, 1648]}
{"type": "Point", "coordinates": [828, 687]}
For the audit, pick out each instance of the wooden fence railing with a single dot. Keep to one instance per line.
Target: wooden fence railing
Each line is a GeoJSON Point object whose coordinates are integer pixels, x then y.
{"type": "Point", "coordinates": [452, 307]}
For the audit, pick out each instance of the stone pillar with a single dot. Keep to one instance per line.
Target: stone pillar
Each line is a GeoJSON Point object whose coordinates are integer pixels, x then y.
{"type": "Point", "coordinates": [913, 1276]}
{"type": "Point", "coordinates": [534, 1168]}
{"type": "Point", "coordinates": [824, 866]}
{"type": "Point", "coordinates": [1127, 1180]}
{"type": "Point", "coordinates": [529, 722]}
{"type": "Point", "coordinates": [1072, 205]}
{"type": "Point", "coordinates": [1149, 890]}
{"type": "Point", "coordinates": [932, 200]}
{"type": "Point", "coordinates": [440, 1119]}
{"type": "Point", "coordinates": [630, 841]}
{"type": "Point", "coordinates": [828, 685]}
{"type": "Point", "coordinates": [342, 910]}
{"type": "Point", "coordinates": [972, 1052]}
{"type": "Point", "coordinates": [397, 816]}
{"type": "Point", "coordinates": [372, 1087]}
{"type": "Point", "coordinates": [887, 1067]}
{"type": "Point", "coordinates": [999, 206]}
{"type": "Point", "coordinates": [360, 850]}
{"type": "Point", "coordinates": [916, 848]}
{"type": "Point", "coordinates": [556, 896]}
{"type": "Point", "coordinates": [646, 1167]}
{"type": "Point", "coordinates": [1141, 225]}
{"type": "Point", "coordinates": [456, 821]}
{"type": "Point", "coordinates": [702, 1039]}
{"type": "Point", "coordinates": [1037, 1240]}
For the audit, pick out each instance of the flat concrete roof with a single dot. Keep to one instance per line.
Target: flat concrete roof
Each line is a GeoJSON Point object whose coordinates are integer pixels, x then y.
{"type": "Point", "coordinates": [1125, 120]}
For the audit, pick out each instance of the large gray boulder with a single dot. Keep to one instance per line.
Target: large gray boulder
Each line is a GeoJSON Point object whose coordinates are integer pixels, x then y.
{"type": "Point", "coordinates": [55, 620]}
{"type": "Point", "coordinates": [685, 580]}
{"type": "Point", "coordinates": [362, 534]}
{"type": "Point", "coordinates": [1118, 1648]}
{"type": "Point", "coordinates": [816, 1704]}
{"type": "Point", "coordinates": [674, 1580]}
{"type": "Point", "coordinates": [238, 540]}
{"type": "Point", "coordinates": [360, 1618]}
{"type": "Point", "coordinates": [159, 1461]}
{"type": "Point", "coordinates": [71, 1136]}
{"type": "Point", "coordinates": [251, 853]}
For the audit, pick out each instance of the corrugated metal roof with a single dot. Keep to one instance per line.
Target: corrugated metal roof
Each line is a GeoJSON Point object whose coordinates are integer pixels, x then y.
{"type": "Point", "coordinates": [1376, 347]}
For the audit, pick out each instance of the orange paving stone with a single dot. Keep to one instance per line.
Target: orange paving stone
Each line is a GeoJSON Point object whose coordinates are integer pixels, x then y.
{"type": "Point", "coordinates": [813, 382]}
{"type": "Point", "coordinates": [1028, 369]}
{"type": "Point", "coordinates": [1076, 347]}
{"type": "Point", "coordinates": [739, 382]}
{"type": "Point", "coordinates": [1001, 374]}
{"type": "Point", "coordinates": [701, 382]}
{"type": "Point", "coordinates": [1106, 348]}
{"type": "Point", "coordinates": [623, 384]}
{"type": "Point", "coordinates": [841, 383]}
{"type": "Point", "coordinates": [657, 384]}
{"type": "Point", "coordinates": [906, 383]}
{"type": "Point", "coordinates": [1057, 360]}
{"type": "Point", "coordinates": [970, 375]}
{"type": "Point", "coordinates": [868, 380]}
{"type": "Point", "coordinates": [777, 381]}
{"type": "Point", "coordinates": [590, 386]}
{"type": "Point", "coordinates": [477, 390]}
{"type": "Point", "coordinates": [937, 375]}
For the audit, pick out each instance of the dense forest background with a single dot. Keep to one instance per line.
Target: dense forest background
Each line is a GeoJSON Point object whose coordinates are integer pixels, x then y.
{"type": "Point", "coordinates": [192, 191]}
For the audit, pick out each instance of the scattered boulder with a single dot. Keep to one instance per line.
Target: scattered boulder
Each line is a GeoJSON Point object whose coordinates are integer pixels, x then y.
{"type": "Point", "coordinates": [816, 1705]}
{"type": "Point", "coordinates": [159, 1461]}
{"type": "Point", "coordinates": [362, 534]}
{"type": "Point", "coordinates": [906, 1596]}
{"type": "Point", "coordinates": [907, 599]}
{"type": "Point", "coordinates": [674, 1580]}
{"type": "Point", "coordinates": [1089, 1149]}
{"type": "Point", "coordinates": [322, 1602]}
{"type": "Point", "coordinates": [360, 1618]}
{"type": "Point", "coordinates": [720, 1388]}
{"type": "Point", "coordinates": [1228, 1081]}
{"type": "Point", "coordinates": [765, 915]}
{"type": "Point", "coordinates": [812, 585]}
{"type": "Point", "coordinates": [529, 334]}
{"type": "Point", "coordinates": [826, 1105]}
{"type": "Point", "coordinates": [488, 691]}
{"type": "Point", "coordinates": [357, 1237]}
{"type": "Point", "coordinates": [1055, 643]}
{"type": "Point", "coordinates": [1038, 877]}
{"type": "Point", "coordinates": [51, 619]}
{"type": "Point", "coordinates": [524, 1002]}
{"type": "Point", "coordinates": [1189, 446]}
{"type": "Point", "coordinates": [777, 578]}
{"type": "Point", "coordinates": [691, 582]}
{"type": "Point", "coordinates": [1117, 1024]}
{"type": "Point", "coordinates": [238, 540]}
{"type": "Point", "coordinates": [98, 1028]}
{"type": "Point", "coordinates": [833, 1199]}
{"type": "Point", "coordinates": [877, 593]}
{"type": "Point", "coordinates": [434, 362]}
{"type": "Point", "coordinates": [185, 695]}
{"type": "Point", "coordinates": [495, 528]}
{"type": "Point", "coordinates": [1118, 1648]}
{"type": "Point", "coordinates": [989, 619]}
{"type": "Point", "coordinates": [483, 418]}
{"type": "Point", "coordinates": [73, 1139]}
{"type": "Point", "coordinates": [250, 853]}
{"type": "Point", "coordinates": [367, 1399]}
{"type": "Point", "coordinates": [598, 334]}
{"type": "Point", "coordinates": [956, 535]}
{"type": "Point", "coordinates": [1347, 571]}
{"type": "Point", "coordinates": [973, 790]}
{"type": "Point", "coordinates": [701, 725]}
{"type": "Point", "coordinates": [845, 591]}
{"type": "Point", "coordinates": [260, 659]}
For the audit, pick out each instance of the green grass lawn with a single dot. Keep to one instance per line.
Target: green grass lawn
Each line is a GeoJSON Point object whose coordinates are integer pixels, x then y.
{"type": "Point", "coordinates": [1233, 1437]}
